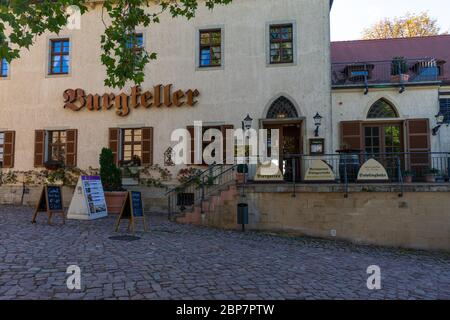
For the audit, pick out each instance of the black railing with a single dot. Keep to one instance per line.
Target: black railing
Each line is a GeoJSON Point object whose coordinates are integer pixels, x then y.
{"type": "Point", "coordinates": [401, 168]}
{"type": "Point", "coordinates": [414, 166]}
{"type": "Point", "coordinates": [396, 71]}
{"type": "Point", "coordinates": [198, 188]}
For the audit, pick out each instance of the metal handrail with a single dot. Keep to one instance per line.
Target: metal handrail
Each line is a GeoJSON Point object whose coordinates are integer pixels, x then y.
{"type": "Point", "coordinates": [192, 179]}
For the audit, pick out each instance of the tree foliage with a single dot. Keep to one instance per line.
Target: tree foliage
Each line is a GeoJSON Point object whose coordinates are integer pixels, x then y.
{"type": "Point", "coordinates": [411, 25]}
{"type": "Point", "coordinates": [21, 21]}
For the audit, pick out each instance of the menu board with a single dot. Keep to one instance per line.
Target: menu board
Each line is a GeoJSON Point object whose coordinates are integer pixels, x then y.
{"type": "Point", "coordinates": [50, 202]}
{"type": "Point", "coordinates": [136, 203]}
{"type": "Point", "coordinates": [132, 208]}
{"type": "Point", "coordinates": [54, 198]}
{"type": "Point", "coordinates": [94, 194]}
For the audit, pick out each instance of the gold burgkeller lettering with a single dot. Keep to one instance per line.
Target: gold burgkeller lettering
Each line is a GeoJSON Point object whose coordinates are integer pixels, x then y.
{"type": "Point", "coordinates": [123, 103]}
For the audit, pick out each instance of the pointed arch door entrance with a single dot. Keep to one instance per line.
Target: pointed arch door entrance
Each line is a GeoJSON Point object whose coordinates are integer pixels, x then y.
{"type": "Point", "coordinates": [283, 116]}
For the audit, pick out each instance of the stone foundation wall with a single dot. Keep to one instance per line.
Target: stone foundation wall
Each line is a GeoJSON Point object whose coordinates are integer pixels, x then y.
{"type": "Point", "coordinates": [419, 220]}
{"type": "Point", "coordinates": [154, 198]}
{"type": "Point", "coordinates": [12, 195]}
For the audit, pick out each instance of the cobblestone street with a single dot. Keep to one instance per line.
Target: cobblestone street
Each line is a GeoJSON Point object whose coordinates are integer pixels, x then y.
{"type": "Point", "coordinates": [186, 262]}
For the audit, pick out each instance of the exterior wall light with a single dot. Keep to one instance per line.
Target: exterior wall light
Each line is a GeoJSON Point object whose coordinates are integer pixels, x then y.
{"type": "Point", "coordinates": [317, 122]}
{"type": "Point", "coordinates": [247, 123]}
{"type": "Point", "coordinates": [440, 118]}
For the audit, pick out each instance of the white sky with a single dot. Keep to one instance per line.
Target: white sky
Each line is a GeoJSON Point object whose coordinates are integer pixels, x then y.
{"type": "Point", "coordinates": [350, 17]}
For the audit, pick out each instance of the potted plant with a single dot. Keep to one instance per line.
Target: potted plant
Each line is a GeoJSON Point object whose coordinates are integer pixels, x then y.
{"type": "Point", "coordinates": [111, 178]}
{"type": "Point", "coordinates": [399, 70]}
{"type": "Point", "coordinates": [53, 165]}
{"type": "Point", "coordinates": [407, 176]}
{"type": "Point", "coordinates": [431, 174]}
{"type": "Point", "coordinates": [242, 170]}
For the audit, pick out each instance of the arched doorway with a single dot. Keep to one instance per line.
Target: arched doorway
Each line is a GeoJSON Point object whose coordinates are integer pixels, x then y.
{"type": "Point", "coordinates": [385, 136]}
{"type": "Point", "coordinates": [283, 116]}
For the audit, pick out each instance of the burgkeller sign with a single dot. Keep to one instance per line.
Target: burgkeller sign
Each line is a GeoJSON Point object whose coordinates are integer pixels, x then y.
{"type": "Point", "coordinates": [77, 99]}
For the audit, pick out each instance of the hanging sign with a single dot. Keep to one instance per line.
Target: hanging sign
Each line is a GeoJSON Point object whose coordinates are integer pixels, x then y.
{"type": "Point", "coordinates": [132, 208]}
{"type": "Point", "coordinates": [50, 202]}
{"type": "Point", "coordinates": [372, 170]}
{"type": "Point", "coordinates": [88, 201]}
{"type": "Point", "coordinates": [320, 171]}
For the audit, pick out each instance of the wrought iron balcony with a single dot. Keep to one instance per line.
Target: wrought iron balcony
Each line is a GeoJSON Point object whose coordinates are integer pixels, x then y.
{"type": "Point", "coordinates": [397, 72]}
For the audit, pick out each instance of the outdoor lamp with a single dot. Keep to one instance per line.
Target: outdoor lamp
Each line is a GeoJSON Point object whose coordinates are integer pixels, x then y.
{"type": "Point", "coordinates": [439, 122]}
{"type": "Point", "coordinates": [317, 122]}
{"type": "Point", "coordinates": [247, 123]}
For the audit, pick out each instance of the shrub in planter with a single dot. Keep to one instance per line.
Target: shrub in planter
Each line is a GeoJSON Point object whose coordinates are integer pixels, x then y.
{"type": "Point", "coordinates": [399, 69]}
{"type": "Point", "coordinates": [431, 174]}
{"type": "Point", "coordinates": [242, 170]}
{"type": "Point", "coordinates": [111, 178]}
{"type": "Point", "coordinates": [53, 165]}
{"type": "Point", "coordinates": [407, 176]}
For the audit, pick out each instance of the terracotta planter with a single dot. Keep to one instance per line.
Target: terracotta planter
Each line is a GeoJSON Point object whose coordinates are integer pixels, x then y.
{"type": "Point", "coordinates": [407, 179]}
{"type": "Point", "coordinates": [400, 78]}
{"type": "Point", "coordinates": [115, 200]}
{"type": "Point", "coordinates": [240, 178]}
{"type": "Point", "coordinates": [430, 178]}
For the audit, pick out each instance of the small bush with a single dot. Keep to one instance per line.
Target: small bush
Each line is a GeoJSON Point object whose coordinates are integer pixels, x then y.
{"type": "Point", "coordinates": [110, 174]}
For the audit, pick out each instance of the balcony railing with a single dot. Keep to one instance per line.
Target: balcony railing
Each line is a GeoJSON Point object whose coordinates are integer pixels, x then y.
{"type": "Point", "coordinates": [394, 72]}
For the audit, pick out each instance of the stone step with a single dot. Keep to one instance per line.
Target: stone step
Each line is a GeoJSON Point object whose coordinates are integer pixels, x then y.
{"type": "Point", "coordinates": [212, 203]}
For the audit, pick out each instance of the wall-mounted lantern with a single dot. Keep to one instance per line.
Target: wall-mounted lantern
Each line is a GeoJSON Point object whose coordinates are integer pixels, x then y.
{"type": "Point", "coordinates": [317, 122]}
{"type": "Point", "coordinates": [440, 118]}
{"type": "Point", "coordinates": [247, 123]}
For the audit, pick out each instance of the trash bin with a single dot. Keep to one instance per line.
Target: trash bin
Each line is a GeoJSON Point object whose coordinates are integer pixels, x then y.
{"type": "Point", "coordinates": [242, 213]}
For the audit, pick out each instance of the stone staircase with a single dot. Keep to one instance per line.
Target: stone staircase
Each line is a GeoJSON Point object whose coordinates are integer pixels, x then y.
{"type": "Point", "coordinates": [214, 203]}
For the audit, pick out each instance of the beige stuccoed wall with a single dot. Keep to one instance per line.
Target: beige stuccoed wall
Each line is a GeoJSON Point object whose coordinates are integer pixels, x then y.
{"type": "Point", "coordinates": [415, 102]}
{"type": "Point", "coordinates": [418, 220]}
{"type": "Point", "coordinates": [31, 100]}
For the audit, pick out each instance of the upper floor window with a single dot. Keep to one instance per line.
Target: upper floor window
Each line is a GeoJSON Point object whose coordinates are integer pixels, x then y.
{"type": "Point", "coordinates": [59, 56]}
{"type": "Point", "coordinates": [210, 48]}
{"type": "Point", "coordinates": [445, 108]}
{"type": "Point", "coordinates": [4, 68]}
{"type": "Point", "coordinates": [137, 43]}
{"type": "Point", "coordinates": [281, 43]}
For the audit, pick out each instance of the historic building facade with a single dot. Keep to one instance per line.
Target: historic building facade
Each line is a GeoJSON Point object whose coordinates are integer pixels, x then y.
{"type": "Point", "coordinates": [269, 59]}
{"type": "Point", "coordinates": [392, 96]}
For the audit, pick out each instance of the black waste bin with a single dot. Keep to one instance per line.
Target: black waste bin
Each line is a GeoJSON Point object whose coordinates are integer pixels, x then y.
{"type": "Point", "coordinates": [242, 214]}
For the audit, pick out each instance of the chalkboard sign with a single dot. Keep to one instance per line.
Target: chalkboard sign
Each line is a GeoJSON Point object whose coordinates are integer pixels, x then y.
{"type": "Point", "coordinates": [51, 202]}
{"type": "Point", "coordinates": [132, 208]}
{"type": "Point", "coordinates": [54, 197]}
{"type": "Point", "coordinates": [136, 204]}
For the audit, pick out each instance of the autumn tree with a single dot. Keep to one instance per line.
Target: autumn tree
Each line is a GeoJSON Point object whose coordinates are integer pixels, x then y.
{"type": "Point", "coordinates": [21, 21]}
{"type": "Point", "coordinates": [411, 25]}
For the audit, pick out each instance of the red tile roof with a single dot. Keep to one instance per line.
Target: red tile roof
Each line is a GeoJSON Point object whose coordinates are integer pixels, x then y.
{"type": "Point", "coordinates": [437, 47]}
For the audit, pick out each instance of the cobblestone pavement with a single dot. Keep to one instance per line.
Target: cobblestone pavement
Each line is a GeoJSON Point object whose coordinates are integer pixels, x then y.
{"type": "Point", "coordinates": [186, 262]}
